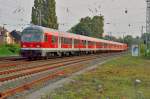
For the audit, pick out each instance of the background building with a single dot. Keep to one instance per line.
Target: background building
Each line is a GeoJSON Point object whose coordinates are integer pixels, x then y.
{"type": "Point", "coordinates": [2, 35]}
{"type": "Point", "coordinates": [9, 37]}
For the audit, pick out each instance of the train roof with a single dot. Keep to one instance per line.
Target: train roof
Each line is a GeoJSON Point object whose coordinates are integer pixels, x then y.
{"type": "Point", "coordinates": [71, 35]}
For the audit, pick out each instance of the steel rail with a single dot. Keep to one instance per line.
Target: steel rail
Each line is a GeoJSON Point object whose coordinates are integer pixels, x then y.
{"type": "Point", "coordinates": [15, 63]}
{"type": "Point", "coordinates": [31, 67]}
{"type": "Point", "coordinates": [41, 69]}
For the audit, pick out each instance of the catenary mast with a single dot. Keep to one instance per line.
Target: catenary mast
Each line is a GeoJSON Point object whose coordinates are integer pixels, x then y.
{"type": "Point", "coordinates": [148, 16]}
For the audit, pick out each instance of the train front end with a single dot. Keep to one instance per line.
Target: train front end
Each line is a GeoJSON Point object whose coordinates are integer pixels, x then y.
{"type": "Point", "coordinates": [31, 42]}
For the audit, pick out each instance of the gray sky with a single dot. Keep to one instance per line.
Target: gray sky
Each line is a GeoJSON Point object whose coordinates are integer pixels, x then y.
{"type": "Point", "coordinates": [17, 13]}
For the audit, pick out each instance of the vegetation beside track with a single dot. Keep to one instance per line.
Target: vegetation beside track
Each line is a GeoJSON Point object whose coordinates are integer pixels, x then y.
{"type": "Point", "coordinates": [9, 50]}
{"type": "Point", "coordinates": [112, 80]}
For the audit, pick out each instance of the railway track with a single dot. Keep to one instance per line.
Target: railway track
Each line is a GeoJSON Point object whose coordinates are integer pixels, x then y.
{"type": "Point", "coordinates": [32, 70]}
{"type": "Point", "coordinates": [59, 68]}
{"type": "Point", "coordinates": [17, 63]}
{"type": "Point", "coordinates": [33, 67]}
{"type": "Point", "coordinates": [11, 58]}
{"type": "Point", "coordinates": [13, 63]}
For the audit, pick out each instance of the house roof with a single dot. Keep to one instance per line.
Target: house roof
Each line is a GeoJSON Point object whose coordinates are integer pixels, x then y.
{"type": "Point", "coordinates": [2, 30]}
{"type": "Point", "coordinates": [16, 34]}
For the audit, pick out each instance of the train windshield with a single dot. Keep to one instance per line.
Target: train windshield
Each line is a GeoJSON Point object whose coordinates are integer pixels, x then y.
{"type": "Point", "coordinates": [32, 36]}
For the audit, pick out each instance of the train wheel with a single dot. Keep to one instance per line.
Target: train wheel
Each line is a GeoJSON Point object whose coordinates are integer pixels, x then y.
{"type": "Point", "coordinates": [59, 54]}
{"type": "Point", "coordinates": [29, 58]}
{"type": "Point", "coordinates": [46, 56]}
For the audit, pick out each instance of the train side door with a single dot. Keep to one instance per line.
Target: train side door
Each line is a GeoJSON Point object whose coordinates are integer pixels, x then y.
{"type": "Point", "coordinates": [54, 41]}
{"type": "Point", "coordinates": [46, 41]}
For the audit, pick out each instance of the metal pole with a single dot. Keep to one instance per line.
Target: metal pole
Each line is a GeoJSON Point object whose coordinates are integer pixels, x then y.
{"type": "Point", "coordinates": [123, 38]}
{"type": "Point", "coordinates": [110, 36]}
{"type": "Point", "coordinates": [147, 22]}
{"type": "Point", "coordinates": [40, 16]}
{"type": "Point", "coordinates": [148, 16]}
{"type": "Point", "coordinates": [142, 30]}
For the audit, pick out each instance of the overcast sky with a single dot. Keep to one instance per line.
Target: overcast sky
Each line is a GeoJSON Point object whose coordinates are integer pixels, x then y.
{"type": "Point", "coordinates": [17, 13]}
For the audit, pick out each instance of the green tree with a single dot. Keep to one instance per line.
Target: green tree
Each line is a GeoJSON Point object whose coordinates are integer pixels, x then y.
{"type": "Point", "coordinates": [112, 38]}
{"type": "Point", "coordinates": [97, 26]}
{"type": "Point", "coordinates": [146, 38]}
{"type": "Point", "coordinates": [120, 40]}
{"type": "Point", "coordinates": [44, 13]}
{"type": "Point", "coordinates": [128, 40]}
{"type": "Point", "coordinates": [82, 28]}
{"type": "Point", "coordinates": [50, 14]}
{"type": "Point", "coordinates": [37, 12]}
{"type": "Point", "coordinates": [92, 27]}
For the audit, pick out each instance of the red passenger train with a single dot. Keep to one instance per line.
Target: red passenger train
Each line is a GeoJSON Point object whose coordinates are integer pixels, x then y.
{"type": "Point", "coordinates": [37, 41]}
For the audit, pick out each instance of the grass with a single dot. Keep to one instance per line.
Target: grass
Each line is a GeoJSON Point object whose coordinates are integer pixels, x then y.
{"type": "Point", "coordinates": [112, 80]}
{"type": "Point", "coordinates": [9, 50]}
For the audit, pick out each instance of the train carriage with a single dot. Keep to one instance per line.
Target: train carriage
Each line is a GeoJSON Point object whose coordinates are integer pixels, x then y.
{"type": "Point", "coordinates": [39, 41]}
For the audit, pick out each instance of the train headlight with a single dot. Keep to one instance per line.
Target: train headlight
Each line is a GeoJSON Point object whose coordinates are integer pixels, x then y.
{"type": "Point", "coordinates": [24, 46]}
{"type": "Point", "coordinates": [38, 46]}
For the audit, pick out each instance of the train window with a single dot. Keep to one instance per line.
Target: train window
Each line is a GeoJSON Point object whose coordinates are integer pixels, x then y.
{"type": "Point", "coordinates": [62, 40]}
{"type": "Point", "coordinates": [98, 44]}
{"type": "Point", "coordinates": [54, 39]}
{"type": "Point", "coordinates": [66, 40]}
{"type": "Point", "coordinates": [76, 41]}
{"type": "Point", "coordinates": [32, 35]}
{"type": "Point", "coordinates": [84, 42]}
{"type": "Point", "coordinates": [112, 45]}
{"type": "Point", "coordinates": [102, 44]}
{"type": "Point", "coordinates": [70, 41]}
{"type": "Point", "coordinates": [90, 43]}
{"type": "Point", "coordinates": [105, 44]}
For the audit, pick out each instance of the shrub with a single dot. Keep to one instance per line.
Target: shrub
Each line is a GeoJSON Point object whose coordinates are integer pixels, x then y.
{"type": "Point", "coordinates": [142, 49]}
{"type": "Point", "coordinates": [7, 49]}
{"type": "Point", "coordinates": [13, 48]}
